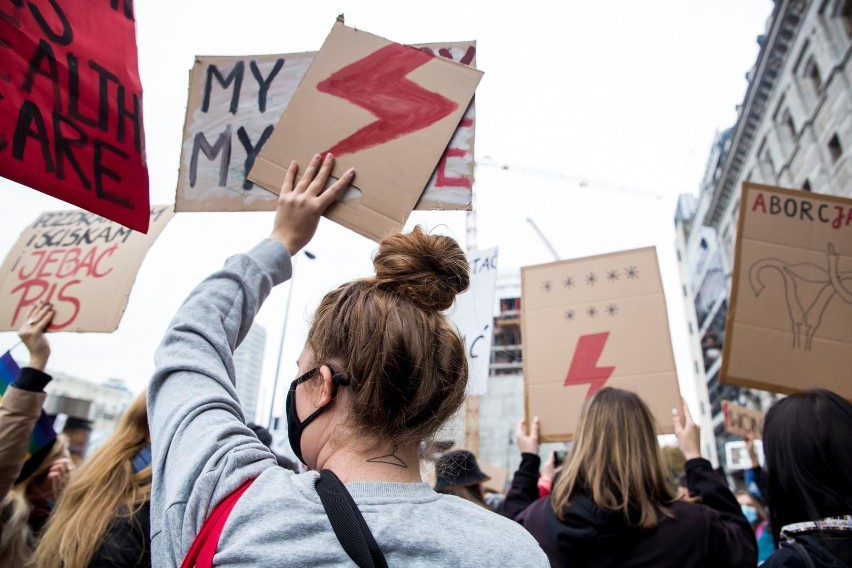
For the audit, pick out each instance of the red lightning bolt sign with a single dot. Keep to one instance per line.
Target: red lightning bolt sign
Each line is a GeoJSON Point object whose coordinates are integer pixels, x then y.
{"type": "Point", "coordinates": [378, 84]}
{"type": "Point", "coordinates": [584, 369]}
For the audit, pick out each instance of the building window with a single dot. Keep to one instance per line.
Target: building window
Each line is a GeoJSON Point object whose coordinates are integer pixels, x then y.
{"type": "Point", "coordinates": [790, 125]}
{"type": "Point", "coordinates": [765, 158]}
{"type": "Point", "coordinates": [685, 293]}
{"type": "Point", "coordinates": [834, 147]}
{"type": "Point", "coordinates": [845, 15]}
{"type": "Point", "coordinates": [813, 75]}
{"type": "Point", "coordinates": [679, 257]}
{"type": "Point", "coordinates": [807, 185]}
{"type": "Point", "coordinates": [691, 329]}
{"type": "Point", "coordinates": [696, 367]}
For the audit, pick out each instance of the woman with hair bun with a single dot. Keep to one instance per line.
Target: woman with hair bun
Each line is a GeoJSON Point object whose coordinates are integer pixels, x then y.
{"type": "Point", "coordinates": [381, 370]}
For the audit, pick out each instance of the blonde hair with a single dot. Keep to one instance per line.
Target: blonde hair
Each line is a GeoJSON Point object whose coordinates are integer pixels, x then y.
{"type": "Point", "coordinates": [616, 460]}
{"type": "Point", "coordinates": [405, 361]}
{"type": "Point", "coordinates": [103, 489]}
{"type": "Point", "coordinates": [17, 541]}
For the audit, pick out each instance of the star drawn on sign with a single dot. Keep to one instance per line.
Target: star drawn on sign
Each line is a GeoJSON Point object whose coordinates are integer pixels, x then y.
{"type": "Point", "coordinates": [547, 286]}
{"type": "Point", "coordinates": [632, 272]}
{"type": "Point", "coordinates": [568, 282]}
{"type": "Point", "coordinates": [569, 315]}
{"type": "Point", "coordinates": [591, 279]}
{"type": "Point", "coordinates": [612, 309]}
{"type": "Point", "coordinates": [612, 275]}
{"type": "Point", "coordinates": [592, 311]}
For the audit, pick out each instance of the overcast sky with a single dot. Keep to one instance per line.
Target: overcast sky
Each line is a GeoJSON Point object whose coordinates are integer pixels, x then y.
{"type": "Point", "coordinates": [622, 93]}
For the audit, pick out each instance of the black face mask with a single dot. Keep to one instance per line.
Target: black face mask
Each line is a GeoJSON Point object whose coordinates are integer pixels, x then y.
{"type": "Point", "coordinates": [294, 427]}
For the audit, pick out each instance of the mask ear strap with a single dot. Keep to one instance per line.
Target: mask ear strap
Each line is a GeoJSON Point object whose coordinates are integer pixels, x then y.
{"type": "Point", "coordinates": [336, 380]}
{"type": "Point", "coordinates": [339, 380]}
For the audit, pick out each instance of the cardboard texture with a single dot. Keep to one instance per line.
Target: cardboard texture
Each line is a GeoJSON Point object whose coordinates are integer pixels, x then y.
{"type": "Point", "coordinates": [473, 314]}
{"type": "Point", "coordinates": [82, 263]}
{"type": "Point", "coordinates": [71, 105]}
{"type": "Point", "coordinates": [386, 109]}
{"type": "Point", "coordinates": [742, 421]}
{"type": "Point", "coordinates": [499, 477]}
{"type": "Point", "coordinates": [234, 105]}
{"type": "Point", "coordinates": [789, 326]}
{"type": "Point", "coordinates": [594, 322]}
{"type": "Point", "coordinates": [737, 458]}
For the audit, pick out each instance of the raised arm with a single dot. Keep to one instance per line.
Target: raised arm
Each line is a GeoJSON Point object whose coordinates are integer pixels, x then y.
{"type": "Point", "coordinates": [731, 538]}
{"type": "Point", "coordinates": [202, 449]}
{"type": "Point", "coordinates": [524, 489]}
{"type": "Point", "coordinates": [23, 400]}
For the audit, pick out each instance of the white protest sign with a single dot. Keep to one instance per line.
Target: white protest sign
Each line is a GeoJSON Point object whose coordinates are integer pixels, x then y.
{"type": "Point", "coordinates": [473, 314]}
{"type": "Point", "coordinates": [736, 454]}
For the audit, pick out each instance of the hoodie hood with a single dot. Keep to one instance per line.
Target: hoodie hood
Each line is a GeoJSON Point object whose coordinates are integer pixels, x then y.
{"type": "Point", "coordinates": [590, 535]}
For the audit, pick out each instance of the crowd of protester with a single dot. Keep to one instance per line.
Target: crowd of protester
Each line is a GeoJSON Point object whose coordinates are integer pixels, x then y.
{"type": "Point", "coordinates": [184, 480]}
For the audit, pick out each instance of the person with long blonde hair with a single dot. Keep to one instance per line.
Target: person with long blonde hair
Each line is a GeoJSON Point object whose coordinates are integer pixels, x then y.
{"type": "Point", "coordinates": [612, 504]}
{"type": "Point", "coordinates": [103, 516]}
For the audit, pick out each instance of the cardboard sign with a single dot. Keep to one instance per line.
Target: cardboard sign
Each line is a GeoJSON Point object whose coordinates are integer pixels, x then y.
{"type": "Point", "coordinates": [234, 105]}
{"type": "Point", "coordinates": [499, 477]}
{"type": "Point", "coordinates": [71, 105]}
{"type": "Point", "coordinates": [388, 110]}
{"type": "Point", "coordinates": [595, 322]}
{"type": "Point", "coordinates": [742, 421]}
{"type": "Point", "coordinates": [82, 263]}
{"type": "Point", "coordinates": [473, 314]}
{"type": "Point", "coordinates": [789, 327]}
{"type": "Point", "coordinates": [736, 454]}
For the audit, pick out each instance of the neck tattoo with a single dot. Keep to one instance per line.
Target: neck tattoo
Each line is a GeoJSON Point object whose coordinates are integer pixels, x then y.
{"type": "Point", "coordinates": [390, 459]}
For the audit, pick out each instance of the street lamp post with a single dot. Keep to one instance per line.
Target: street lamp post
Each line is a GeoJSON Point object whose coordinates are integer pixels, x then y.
{"type": "Point", "coordinates": [310, 256]}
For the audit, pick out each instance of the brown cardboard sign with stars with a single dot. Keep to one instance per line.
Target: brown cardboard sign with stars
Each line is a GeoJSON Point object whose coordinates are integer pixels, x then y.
{"type": "Point", "coordinates": [594, 322]}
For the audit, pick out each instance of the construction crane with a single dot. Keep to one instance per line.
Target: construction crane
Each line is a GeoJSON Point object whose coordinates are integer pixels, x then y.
{"type": "Point", "coordinates": [581, 181]}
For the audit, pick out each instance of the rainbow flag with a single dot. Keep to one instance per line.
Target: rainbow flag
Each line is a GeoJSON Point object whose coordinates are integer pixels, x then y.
{"type": "Point", "coordinates": [43, 434]}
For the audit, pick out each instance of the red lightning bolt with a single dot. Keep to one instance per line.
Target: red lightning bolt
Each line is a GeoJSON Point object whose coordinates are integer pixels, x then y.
{"type": "Point", "coordinates": [584, 367]}
{"type": "Point", "coordinates": [377, 83]}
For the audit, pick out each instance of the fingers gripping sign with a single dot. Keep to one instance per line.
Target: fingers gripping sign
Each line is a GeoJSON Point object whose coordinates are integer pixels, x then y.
{"type": "Point", "coordinates": [687, 432]}
{"type": "Point", "coordinates": [528, 444]}
{"type": "Point", "coordinates": [302, 203]}
{"type": "Point", "coordinates": [32, 334]}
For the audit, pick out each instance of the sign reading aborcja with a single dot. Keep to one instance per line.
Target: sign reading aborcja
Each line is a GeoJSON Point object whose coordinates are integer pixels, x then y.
{"type": "Point", "coordinates": [71, 105]}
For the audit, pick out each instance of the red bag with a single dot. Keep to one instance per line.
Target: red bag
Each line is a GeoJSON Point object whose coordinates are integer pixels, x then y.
{"type": "Point", "coordinates": [203, 548]}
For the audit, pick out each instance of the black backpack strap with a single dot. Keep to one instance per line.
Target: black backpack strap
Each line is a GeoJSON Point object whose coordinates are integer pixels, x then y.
{"type": "Point", "coordinates": [349, 525]}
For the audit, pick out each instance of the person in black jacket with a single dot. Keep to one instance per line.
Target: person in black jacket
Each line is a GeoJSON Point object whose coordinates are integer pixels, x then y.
{"type": "Point", "coordinates": [612, 505]}
{"type": "Point", "coordinates": [807, 442]}
{"type": "Point", "coordinates": [103, 517]}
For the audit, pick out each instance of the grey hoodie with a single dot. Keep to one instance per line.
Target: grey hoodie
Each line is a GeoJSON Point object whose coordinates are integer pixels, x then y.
{"type": "Point", "coordinates": [203, 451]}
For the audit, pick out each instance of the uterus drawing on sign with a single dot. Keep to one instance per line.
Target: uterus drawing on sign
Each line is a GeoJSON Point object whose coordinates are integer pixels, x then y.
{"type": "Point", "coordinates": [808, 290]}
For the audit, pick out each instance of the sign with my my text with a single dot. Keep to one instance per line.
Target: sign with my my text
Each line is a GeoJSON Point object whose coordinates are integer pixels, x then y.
{"type": "Point", "coordinates": [789, 327]}
{"type": "Point", "coordinates": [71, 105]}
{"type": "Point", "coordinates": [83, 264]}
{"type": "Point", "coordinates": [473, 314]}
{"type": "Point", "coordinates": [595, 322]}
{"type": "Point", "coordinates": [235, 103]}
{"type": "Point", "coordinates": [387, 109]}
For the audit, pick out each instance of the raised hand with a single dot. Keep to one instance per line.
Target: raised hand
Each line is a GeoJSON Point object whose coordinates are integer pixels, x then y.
{"type": "Point", "coordinates": [300, 205]}
{"type": "Point", "coordinates": [32, 334]}
{"type": "Point", "coordinates": [528, 444]}
{"type": "Point", "coordinates": [687, 432]}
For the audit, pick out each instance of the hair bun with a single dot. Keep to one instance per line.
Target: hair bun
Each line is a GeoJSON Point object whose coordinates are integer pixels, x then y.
{"type": "Point", "coordinates": [429, 270]}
